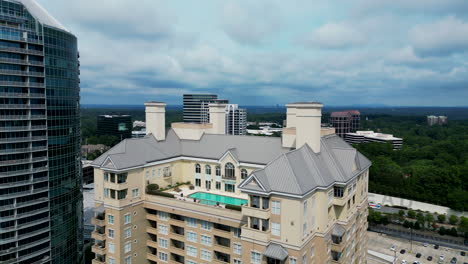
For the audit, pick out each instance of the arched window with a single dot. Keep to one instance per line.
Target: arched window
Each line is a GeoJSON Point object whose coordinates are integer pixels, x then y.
{"type": "Point", "coordinates": [229, 171]}
{"type": "Point", "coordinates": [218, 171]}
{"type": "Point", "coordinates": [243, 173]}
{"type": "Point", "coordinates": [197, 168]}
{"type": "Point", "coordinates": [208, 170]}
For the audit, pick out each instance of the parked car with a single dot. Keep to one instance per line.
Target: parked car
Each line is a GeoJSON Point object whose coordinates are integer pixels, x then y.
{"type": "Point", "coordinates": [393, 248]}
{"type": "Point", "coordinates": [425, 244]}
{"type": "Point", "coordinates": [453, 261]}
{"type": "Point", "coordinates": [403, 262]}
{"type": "Point", "coordinates": [418, 255]}
{"type": "Point", "coordinates": [462, 253]}
{"type": "Point", "coordinates": [441, 257]}
{"type": "Point", "coordinates": [403, 251]}
{"type": "Point", "coordinates": [429, 258]}
{"type": "Point", "coordinates": [436, 246]}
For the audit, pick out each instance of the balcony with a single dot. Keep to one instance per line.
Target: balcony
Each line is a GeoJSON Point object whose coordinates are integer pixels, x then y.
{"type": "Point", "coordinates": [175, 258]}
{"type": "Point", "coordinates": [222, 257]}
{"type": "Point", "coordinates": [98, 222]}
{"type": "Point", "coordinates": [176, 230]}
{"type": "Point", "coordinates": [152, 257]}
{"type": "Point", "coordinates": [151, 243]}
{"type": "Point", "coordinates": [98, 235]}
{"type": "Point", "coordinates": [99, 249]}
{"type": "Point", "coordinates": [20, 50]}
{"type": "Point", "coordinates": [21, 73]}
{"type": "Point", "coordinates": [256, 212]}
{"type": "Point", "coordinates": [255, 234]}
{"type": "Point", "coordinates": [336, 257]}
{"type": "Point", "coordinates": [99, 260]}
{"type": "Point", "coordinates": [152, 230]}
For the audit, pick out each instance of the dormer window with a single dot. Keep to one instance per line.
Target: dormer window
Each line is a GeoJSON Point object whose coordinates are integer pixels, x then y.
{"type": "Point", "coordinates": [243, 173]}
{"type": "Point", "coordinates": [229, 170]}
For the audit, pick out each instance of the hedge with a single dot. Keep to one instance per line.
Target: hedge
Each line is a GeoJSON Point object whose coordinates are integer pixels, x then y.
{"type": "Point", "coordinates": [233, 207]}
{"type": "Point", "coordinates": [164, 194]}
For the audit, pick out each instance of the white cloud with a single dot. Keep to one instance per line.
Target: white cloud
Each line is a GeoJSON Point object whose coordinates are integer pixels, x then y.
{"type": "Point", "coordinates": [446, 36]}
{"type": "Point", "coordinates": [335, 36]}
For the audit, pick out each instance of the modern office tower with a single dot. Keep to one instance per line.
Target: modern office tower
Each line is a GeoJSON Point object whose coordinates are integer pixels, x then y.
{"type": "Point", "coordinates": [437, 120]}
{"type": "Point", "coordinates": [40, 172]}
{"type": "Point", "coordinates": [236, 120]}
{"type": "Point", "coordinates": [193, 104]}
{"type": "Point", "coordinates": [115, 125]}
{"type": "Point", "coordinates": [371, 136]}
{"type": "Point", "coordinates": [345, 122]}
{"type": "Point", "coordinates": [195, 195]}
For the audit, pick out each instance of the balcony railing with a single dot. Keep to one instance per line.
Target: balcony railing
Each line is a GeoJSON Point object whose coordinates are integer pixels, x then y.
{"type": "Point", "coordinates": [20, 50]}
{"type": "Point", "coordinates": [26, 73]}
{"type": "Point", "coordinates": [22, 106]}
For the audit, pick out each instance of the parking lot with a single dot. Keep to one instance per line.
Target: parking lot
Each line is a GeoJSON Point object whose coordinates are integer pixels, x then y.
{"type": "Point", "coordinates": [382, 243]}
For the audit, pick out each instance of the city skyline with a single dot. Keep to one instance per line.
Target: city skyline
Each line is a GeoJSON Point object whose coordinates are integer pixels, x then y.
{"type": "Point", "coordinates": [364, 52]}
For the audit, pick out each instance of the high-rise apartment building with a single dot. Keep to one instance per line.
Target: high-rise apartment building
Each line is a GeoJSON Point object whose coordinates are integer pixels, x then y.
{"type": "Point", "coordinates": [195, 195]}
{"type": "Point", "coordinates": [40, 172]}
{"type": "Point", "coordinates": [345, 122]}
{"type": "Point", "coordinates": [370, 136]}
{"type": "Point", "coordinates": [116, 125]}
{"type": "Point", "coordinates": [437, 120]}
{"type": "Point", "coordinates": [236, 120]}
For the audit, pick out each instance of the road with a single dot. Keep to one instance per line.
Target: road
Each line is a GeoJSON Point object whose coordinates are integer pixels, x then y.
{"type": "Point", "coordinates": [382, 243]}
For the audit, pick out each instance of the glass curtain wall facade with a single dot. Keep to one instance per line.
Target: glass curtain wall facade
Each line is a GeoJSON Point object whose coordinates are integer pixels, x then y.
{"type": "Point", "coordinates": [40, 181]}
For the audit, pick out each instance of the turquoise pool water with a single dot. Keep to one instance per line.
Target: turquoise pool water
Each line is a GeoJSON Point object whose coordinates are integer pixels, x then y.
{"type": "Point", "coordinates": [212, 199]}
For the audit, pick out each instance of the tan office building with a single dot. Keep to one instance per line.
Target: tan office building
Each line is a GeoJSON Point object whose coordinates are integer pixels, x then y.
{"type": "Point", "coordinates": [297, 199]}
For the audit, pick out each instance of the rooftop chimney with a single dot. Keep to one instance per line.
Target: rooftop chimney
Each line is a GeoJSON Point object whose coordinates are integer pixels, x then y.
{"type": "Point", "coordinates": [306, 118]}
{"type": "Point", "coordinates": [156, 119]}
{"type": "Point", "coordinates": [218, 118]}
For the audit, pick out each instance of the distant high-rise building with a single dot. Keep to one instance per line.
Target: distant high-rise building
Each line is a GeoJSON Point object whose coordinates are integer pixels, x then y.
{"type": "Point", "coordinates": [193, 106]}
{"type": "Point", "coordinates": [115, 125]}
{"type": "Point", "coordinates": [236, 120]}
{"type": "Point", "coordinates": [437, 120]}
{"type": "Point", "coordinates": [41, 203]}
{"type": "Point", "coordinates": [345, 122]}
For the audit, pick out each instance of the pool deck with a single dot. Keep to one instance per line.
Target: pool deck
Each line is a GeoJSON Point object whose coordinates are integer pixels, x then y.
{"type": "Point", "coordinates": [185, 192]}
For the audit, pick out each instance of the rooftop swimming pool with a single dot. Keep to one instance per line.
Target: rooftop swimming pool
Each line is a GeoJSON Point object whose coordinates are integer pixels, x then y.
{"type": "Point", "coordinates": [212, 199]}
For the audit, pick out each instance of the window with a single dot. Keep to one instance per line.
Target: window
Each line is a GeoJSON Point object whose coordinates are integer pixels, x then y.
{"type": "Point", "coordinates": [112, 177]}
{"type": "Point", "coordinates": [197, 168]}
{"type": "Point", "coordinates": [237, 249]}
{"type": "Point", "coordinates": [276, 207]}
{"type": "Point", "coordinates": [292, 260]}
{"type": "Point", "coordinates": [205, 254]}
{"type": "Point", "coordinates": [163, 256]}
{"type": "Point", "coordinates": [110, 233]}
{"type": "Point", "coordinates": [122, 194]}
{"type": "Point", "coordinates": [255, 257]}
{"type": "Point", "coordinates": [237, 261]}
{"type": "Point", "coordinates": [205, 240]}
{"type": "Point", "coordinates": [237, 232]}
{"type": "Point", "coordinates": [198, 182]}
{"type": "Point", "coordinates": [191, 222]}
{"type": "Point", "coordinates": [305, 209]}
{"type": "Point", "coordinates": [162, 229]}
{"type": "Point", "coordinates": [218, 171]}
{"type": "Point", "coordinates": [106, 193]}
{"type": "Point", "coordinates": [304, 257]}
{"type": "Point", "coordinates": [111, 260]}
{"type": "Point", "coordinates": [275, 229]}
{"type": "Point", "coordinates": [312, 251]}
{"type": "Point", "coordinates": [192, 251]}
{"type": "Point", "coordinates": [191, 236]}
{"type": "Point", "coordinates": [243, 173]}
{"type": "Point", "coordinates": [338, 191]}
{"type": "Point", "coordinates": [205, 225]}
{"type": "Point", "coordinates": [154, 174]}
{"type": "Point", "coordinates": [128, 260]}
{"type": "Point", "coordinates": [110, 219]}
{"type": "Point", "coordinates": [191, 262]}
{"type": "Point", "coordinates": [208, 169]}
{"type": "Point", "coordinates": [162, 243]}
{"type": "Point", "coordinates": [106, 176]}
{"type": "Point", "coordinates": [128, 232]}
{"type": "Point", "coordinates": [167, 172]}
{"type": "Point", "coordinates": [218, 185]}
{"type": "Point", "coordinates": [229, 170]}
{"type": "Point", "coordinates": [128, 247]}
{"type": "Point", "coordinates": [111, 247]}
{"type": "Point", "coordinates": [163, 215]}
{"type": "Point", "coordinates": [122, 177]}
{"type": "Point", "coordinates": [304, 229]}
{"type": "Point", "coordinates": [127, 219]}
{"type": "Point", "coordinates": [135, 193]}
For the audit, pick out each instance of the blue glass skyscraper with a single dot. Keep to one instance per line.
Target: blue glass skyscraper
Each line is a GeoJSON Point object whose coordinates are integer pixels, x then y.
{"type": "Point", "coordinates": [40, 176]}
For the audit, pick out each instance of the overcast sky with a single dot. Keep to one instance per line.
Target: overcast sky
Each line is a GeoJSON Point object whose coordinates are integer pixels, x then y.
{"type": "Point", "coordinates": [264, 52]}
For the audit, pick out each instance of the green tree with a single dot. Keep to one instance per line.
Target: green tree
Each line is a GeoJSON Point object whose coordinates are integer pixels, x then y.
{"type": "Point", "coordinates": [441, 218]}
{"type": "Point", "coordinates": [411, 214]}
{"type": "Point", "coordinates": [453, 220]}
{"type": "Point", "coordinates": [401, 213]}
{"type": "Point", "coordinates": [429, 218]}
{"type": "Point", "coordinates": [420, 217]}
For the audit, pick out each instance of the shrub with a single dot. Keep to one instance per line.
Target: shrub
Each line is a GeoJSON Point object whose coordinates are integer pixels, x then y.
{"type": "Point", "coordinates": [152, 187]}
{"type": "Point", "coordinates": [401, 213]}
{"type": "Point", "coordinates": [159, 193]}
{"type": "Point", "coordinates": [233, 207]}
{"type": "Point", "coordinates": [453, 219]}
{"type": "Point", "coordinates": [191, 187]}
{"type": "Point", "coordinates": [177, 189]}
{"type": "Point", "coordinates": [441, 218]}
{"type": "Point", "coordinates": [411, 214]}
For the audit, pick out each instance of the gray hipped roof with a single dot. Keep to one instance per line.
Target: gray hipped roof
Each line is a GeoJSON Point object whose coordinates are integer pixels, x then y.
{"type": "Point", "coordinates": [141, 151]}
{"type": "Point", "coordinates": [300, 171]}
{"type": "Point", "coordinates": [39, 13]}
{"type": "Point", "coordinates": [275, 251]}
